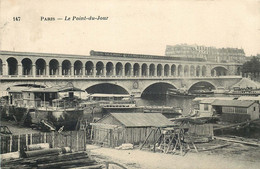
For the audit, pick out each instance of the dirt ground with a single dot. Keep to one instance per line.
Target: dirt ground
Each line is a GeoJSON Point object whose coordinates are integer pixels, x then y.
{"type": "Point", "coordinates": [235, 156]}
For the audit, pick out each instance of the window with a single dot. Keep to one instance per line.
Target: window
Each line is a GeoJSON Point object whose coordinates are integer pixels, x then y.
{"type": "Point", "coordinates": [254, 108]}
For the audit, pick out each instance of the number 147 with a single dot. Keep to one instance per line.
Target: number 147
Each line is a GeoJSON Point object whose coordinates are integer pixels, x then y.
{"type": "Point", "coordinates": [16, 18]}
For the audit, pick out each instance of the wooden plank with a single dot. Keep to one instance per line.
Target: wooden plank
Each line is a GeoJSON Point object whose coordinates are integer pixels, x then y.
{"type": "Point", "coordinates": [31, 139]}
{"type": "Point", "coordinates": [146, 139]}
{"type": "Point", "coordinates": [237, 141]}
{"type": "Point", "coordinates": [19, 142]}
{"type": "Point", "coordinates": [53, 137]}
{"type": "Point", "coordinates": [11, 143]}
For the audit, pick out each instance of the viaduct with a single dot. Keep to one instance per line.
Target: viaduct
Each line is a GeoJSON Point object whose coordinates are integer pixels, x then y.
{"type": "Point", "coordinates": [114, 72]}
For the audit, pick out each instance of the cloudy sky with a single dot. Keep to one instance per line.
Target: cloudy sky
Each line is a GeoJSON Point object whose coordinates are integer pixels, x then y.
{"type": "Point", "coordinates": [143, 27]}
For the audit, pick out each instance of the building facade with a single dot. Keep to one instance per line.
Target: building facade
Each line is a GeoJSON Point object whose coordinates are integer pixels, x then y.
{"type": "Point", "coordinates": [211, 54]}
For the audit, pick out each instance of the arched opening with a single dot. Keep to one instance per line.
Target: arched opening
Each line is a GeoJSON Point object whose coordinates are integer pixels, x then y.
{"type": "Point", "coordinates": [144, 69]}
{"type": "Point", "coordinates": [66, 67]}
{"type": "Point", "coordinates": [180, 70]}
{"type": "Point", "coordinates": [78, 68]}
{"type": "Point", "coordinates": [136, 69]}
{"type": "Point", "coordinates": [192, 71]}
{"type": "Point", "coordinates": [156, 89]}
{"type": "Point", "coordinates": [128, 69]}
{"type": "Point", "coordinates": [54, 67]}
{"type": "Point", "coordinates": [198, 71]}
{"type": "Point", "coordinates": [159, 70]}
{"type": "Point", "coordinates": [12, 66]}
{"type": "Point", "coordinates": [238, 71]}
{"type": "Point", "coordinates": [106, 88]}
{"type": "Point", "coordinates": [166, 70]}
{"type": "Point", "coordinates": [109, 69]}
{"type": "Point", "coordinates": [219, 71]}
{"type": "Point", "coordinates": [100, 69]}
{"type": "Point", "coordinates": [89, 68]}
{"type": "Point", "coordinates": [40, 67]}
{"type": "Point", "coordinates": [173, 70]}
{"type": "Point", "coordinates": [1, 67]}
{"type": "Point", "coordinates": [27, 66]}
{"type": "Point", "coordinates": [151, 70]}
{"type": "Point", "coordinates": [202, 87]}
{"type": "Point", "coordinates": [119, 69]}
{"type": "Point", "coordinates": [186, 70]}
{"type": "Point", "coordinates": [204, 71]}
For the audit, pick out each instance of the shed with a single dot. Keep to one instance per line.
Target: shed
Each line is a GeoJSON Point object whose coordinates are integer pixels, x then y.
{"type": "Point", "coordinates": [117, 128]}
{"type": "Point", "coordinates": [205, 108]}
{"type": "Point", "coordinates": [236, 110]}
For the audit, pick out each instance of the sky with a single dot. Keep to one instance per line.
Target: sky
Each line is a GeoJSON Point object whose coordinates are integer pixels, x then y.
{"type": "Point", "coordinates": [141, 27]}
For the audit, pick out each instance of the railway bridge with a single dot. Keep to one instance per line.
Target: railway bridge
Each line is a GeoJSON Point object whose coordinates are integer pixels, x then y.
{"type": "Point", "coordinates": [114, 72]}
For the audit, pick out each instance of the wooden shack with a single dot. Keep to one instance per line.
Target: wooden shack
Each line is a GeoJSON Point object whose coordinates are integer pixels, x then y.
{"type": "Point", "coordinates": [117, 128]}
{"type": "Point", "coordinates": [236, 110]}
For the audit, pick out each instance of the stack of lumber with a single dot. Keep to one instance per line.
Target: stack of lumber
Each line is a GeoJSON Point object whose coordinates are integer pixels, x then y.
{"type": "Point", "coordinates": [41, 156]}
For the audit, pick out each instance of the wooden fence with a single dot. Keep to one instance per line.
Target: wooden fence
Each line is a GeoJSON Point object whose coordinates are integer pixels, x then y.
{"type": "Point", "coordinates": [76, 140]}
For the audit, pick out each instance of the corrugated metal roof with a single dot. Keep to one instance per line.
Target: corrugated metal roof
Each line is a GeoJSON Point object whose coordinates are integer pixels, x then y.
{"type": "Point", "coordinates": [244, 83]}
{"type": "Point", "coordinates": [233, 103]}
{"type": "Point", "coordinates": [249, 98]}
{"type": "Point", "coordinates": [142, 119]}
{"type": "Point", "coordinates": [54, 89]}
{"type": "Point", "coordinates": [207, 101]}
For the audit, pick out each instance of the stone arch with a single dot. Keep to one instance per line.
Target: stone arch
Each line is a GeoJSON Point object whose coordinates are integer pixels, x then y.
{"type": "Point", "coordinates": [159, 70]}
{"type": "Point", "coordinates": [180, 70]}
{"type": "Point", "coordinates": [128, 69]}
{"type": "Point", "coordinates": [136, 69]}
{"type": "Point", "coordinates": [192, 71]}
{"type": "Point", "coordinates": [89, 68]}
{"type": "Point", "coordinates": [219, 71]}
{"type": "Point", "coordinates": [78, 66]}
{"type": "Point", "coordinates": [152, 70]}
{"type": "Point", "coordinates": [173, 70]}
{"type": "Point", "coordinates": [186, 71]}
{"type": "Point", "coordinates": [200, 83]}
{"type": "Point", "coordinates": [204, 71]}
{"type": "Point", "coordinates": [198, 71]}
{"type": "Point", "coordinates": [1, 67]}
{"type": "Point", "coordinates": [26, 66]}
{"type": "Point", "coordinates": [66, 67]}
{"type": "Point", "coordinates": [107, 88]}
{"type": "Point", "coordinates": [157, 88]}
{"type": "Point", "coordinates": [166, 70]}
{"type": "Point", "coordinates": [100, 68]}
{"type": "Point", "coordinates": [40, 67]}
{"type": "Point", "coordinates": [238, 72]}
{"type": "Point", "coordinates": [54, 67]}
{"type": "Point", "coordinates": [119, 69]}
{"type": "Point", "coordinates": [144, 70]}
{"type": "Point", "coordinates": [109, 69]}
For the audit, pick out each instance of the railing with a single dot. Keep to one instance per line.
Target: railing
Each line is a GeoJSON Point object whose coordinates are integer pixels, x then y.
{"type": "Point", "coordinates": [109, 77]}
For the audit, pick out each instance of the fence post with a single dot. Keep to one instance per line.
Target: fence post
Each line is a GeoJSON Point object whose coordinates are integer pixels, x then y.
{"type": "Point", "coordinates": [31, 139]}
{"type": "Point", "coordinates": [26, 140]}
{"type": "Point", "coordinates": [77, 137]}
{"type": "Point", "coordinates": [44, 137]}
{"type": "Point", "coordinates": [53, 139]}
{"type": "Point", "coordinates": [71, 140]}
{"type": "Point", "coordinates": [11, 142]}
{"type": "Point", "coordinates": [19, 142]}
{"type": "Point", "coordinates": [85, 140]}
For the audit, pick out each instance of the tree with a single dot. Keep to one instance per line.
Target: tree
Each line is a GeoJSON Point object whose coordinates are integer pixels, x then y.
{"type": "Point", "coordinates": [252, 66]}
